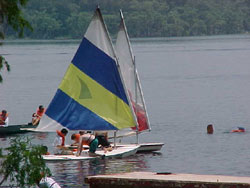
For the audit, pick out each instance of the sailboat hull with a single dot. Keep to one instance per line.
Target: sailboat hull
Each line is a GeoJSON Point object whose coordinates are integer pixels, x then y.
{"type": "Point", "coordinates": [150, 147]}
{"type": "Point", "coordinates": [119, 152]}
{"type": "Point", "coordinates": [146, 147]}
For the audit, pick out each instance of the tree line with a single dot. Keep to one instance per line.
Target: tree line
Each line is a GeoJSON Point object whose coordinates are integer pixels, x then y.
{"type": "Point", "coordinates": [144, 18]}
{"type": "Point", "coordinates": [11, 17]}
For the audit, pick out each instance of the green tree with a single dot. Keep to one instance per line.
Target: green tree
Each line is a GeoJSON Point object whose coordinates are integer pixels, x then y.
{"type": "Point", "coordinates": [45, 25]}
{"type": "Point", "coordinates": [175, 25]}
{"type": "Point", "coordinates": [23, 164]}
{"type": "Point", "coordinates": [147, 18]}
{"type": "Point", "coordinates": [11, 14]}
{"type": "Point", "coordinates": [198, 28]}
{"type": "Point", "coordinates": [78, 23]}
{"type": "Point", "coordinates": [112, 22]}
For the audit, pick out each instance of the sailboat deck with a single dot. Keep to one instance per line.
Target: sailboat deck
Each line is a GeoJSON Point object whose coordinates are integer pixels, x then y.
{"type": "Point", "coordinates": [118, 152]}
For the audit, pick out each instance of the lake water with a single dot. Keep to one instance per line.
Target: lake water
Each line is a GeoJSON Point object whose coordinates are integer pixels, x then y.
{"type": "Point", "coordinates": [188, 83]}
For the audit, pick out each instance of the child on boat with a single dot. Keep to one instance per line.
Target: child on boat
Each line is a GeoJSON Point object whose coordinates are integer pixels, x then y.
{"type": "Point", "coordinates": [102, 137]}
{"type": "Point", "coordinates": [45, 150]}
{"type": "Point", "coordinates": [86, 139]}
{"type": "Point", "coordinates": [59, 143]}
{"type": "Point", "coordinates": [38, 115]}
{"type": "Point", "coordinates": [4, 119]}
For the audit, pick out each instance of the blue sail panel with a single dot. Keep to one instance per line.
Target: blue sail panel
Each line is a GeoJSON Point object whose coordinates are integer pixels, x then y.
{"type": "Point", "coordinates": [70, 114]}
{"type": "Point", "coordinates": [100, 67]}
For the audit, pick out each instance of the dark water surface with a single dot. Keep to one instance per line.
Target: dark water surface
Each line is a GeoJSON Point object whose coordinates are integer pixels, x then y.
{"type": "Point", "coordinates": [188, 83]}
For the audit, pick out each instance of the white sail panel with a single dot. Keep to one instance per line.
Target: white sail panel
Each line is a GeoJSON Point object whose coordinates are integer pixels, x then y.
{"type": "Point", "coordinates": [97, 34]}
{"type": "Point", "coordinates": [129, 73]}
{"type": "Point", "coordinates": [48, 125]}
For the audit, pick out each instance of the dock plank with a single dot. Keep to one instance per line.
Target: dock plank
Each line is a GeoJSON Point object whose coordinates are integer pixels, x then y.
{"type": "Point", "coordinates": [151, 179]}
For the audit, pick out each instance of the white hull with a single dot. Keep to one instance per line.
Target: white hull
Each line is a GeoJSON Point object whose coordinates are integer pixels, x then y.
{"type": "Point", "coordinates": [66, 158]}
{"type": "Point", "coordinates": [149, 147]}
{"type": "Point", "coordinates": [146, 147]}
{"type": "Point", "coordinates": [119, 152]}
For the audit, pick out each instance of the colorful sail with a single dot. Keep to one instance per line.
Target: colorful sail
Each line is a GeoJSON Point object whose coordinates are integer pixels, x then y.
{"type": "Point", "coordinates": [91, 95]}
{"type": "Point", "coordinates": [130, 75]}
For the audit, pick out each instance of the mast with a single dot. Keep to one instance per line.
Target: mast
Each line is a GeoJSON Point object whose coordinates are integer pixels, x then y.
{"type": "Point", "coordinates": [137, 126]}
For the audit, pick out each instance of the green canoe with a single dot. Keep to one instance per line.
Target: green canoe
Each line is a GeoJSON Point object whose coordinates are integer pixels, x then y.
{"type": "Point", "coordinates": [14, 129]}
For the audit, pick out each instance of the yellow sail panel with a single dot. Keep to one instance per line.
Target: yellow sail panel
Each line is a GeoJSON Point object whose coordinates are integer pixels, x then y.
{"type": "Point", "coordinates": [93, 96]}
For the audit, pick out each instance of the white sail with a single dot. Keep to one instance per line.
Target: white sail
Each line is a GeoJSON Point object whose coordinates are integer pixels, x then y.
{"type": "Point", "coordinates": [130, 76]}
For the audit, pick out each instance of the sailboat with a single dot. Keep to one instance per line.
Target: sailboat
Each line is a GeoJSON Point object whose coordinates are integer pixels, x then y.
{"type": "Point", "coordinates": [92, 94]}
{"type": "Point", "coordinates": [131, 79]}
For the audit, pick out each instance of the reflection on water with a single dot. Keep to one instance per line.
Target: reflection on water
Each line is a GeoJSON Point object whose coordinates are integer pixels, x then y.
{"type": "Point", "coordinates": [72, 173]}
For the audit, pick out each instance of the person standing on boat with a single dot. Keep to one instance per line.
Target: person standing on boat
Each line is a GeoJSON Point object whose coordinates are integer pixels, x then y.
{"type": "Point", "coordinates": [90, 140]}
{"type": "Point", "coordinates": [4, 119]}
{"type": "Point", "coordinates": [59, 143]}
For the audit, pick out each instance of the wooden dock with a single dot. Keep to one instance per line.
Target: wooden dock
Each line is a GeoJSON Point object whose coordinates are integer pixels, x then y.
{"type": "Point", "coordinates": [166, 180]}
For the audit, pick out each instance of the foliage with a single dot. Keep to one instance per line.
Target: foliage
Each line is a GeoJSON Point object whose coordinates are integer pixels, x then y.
{"type": "Point", "coordinates": [147, 18]}
{"type": "Point", "coordinates": [11, 15]}
{"type": "Point", "coordinates": [23, 164]}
